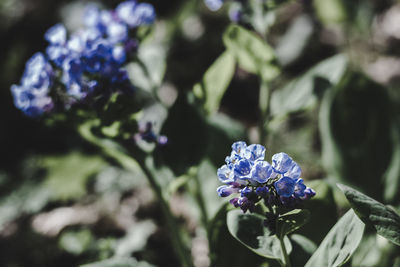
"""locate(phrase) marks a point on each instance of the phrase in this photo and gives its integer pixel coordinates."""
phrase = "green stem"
(176, 236)
(264, 102)
(114, 151)
(201, 202)
(284, 252)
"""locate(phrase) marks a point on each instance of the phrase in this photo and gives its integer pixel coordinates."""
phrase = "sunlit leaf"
(147, 73)
(340, 243)
(251, 52)
(383, 219)
(299, 94)
(331, 11)
(216, 81)
(295, 40)
(67, 175)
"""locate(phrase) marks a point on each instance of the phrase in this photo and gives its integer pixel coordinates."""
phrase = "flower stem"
(116, 152)
(176, 236)
(200, 200)
(286, 262)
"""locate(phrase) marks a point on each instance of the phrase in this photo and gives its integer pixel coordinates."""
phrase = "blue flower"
(308, 193)
(242, 169)
(88, 63)
(117, 32)
(281, 162)
(56, 35)
(255, 152)
(294, 171)
(31, 104)
(246, 192)
(261, 172)
(285, 186)
(262, 191)
(225, 190)
(214, 5)
(299, 189)
(247, 172)
(134, 14)
(91, 17)
(32, 95)
(239, 147)
(235, 13)
(225, 174)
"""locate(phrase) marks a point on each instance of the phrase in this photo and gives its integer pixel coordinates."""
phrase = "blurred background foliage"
(334, 74)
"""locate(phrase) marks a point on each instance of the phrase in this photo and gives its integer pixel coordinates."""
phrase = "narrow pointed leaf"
(383, 219)
(340, 243)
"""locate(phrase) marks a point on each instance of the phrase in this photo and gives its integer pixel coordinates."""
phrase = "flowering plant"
(121, 148)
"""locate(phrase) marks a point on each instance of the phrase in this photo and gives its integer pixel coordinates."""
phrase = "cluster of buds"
(252, 179)
(85, 65)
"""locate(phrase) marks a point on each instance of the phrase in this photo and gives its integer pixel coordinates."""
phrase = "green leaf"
(330, 11)
(75, 242)
(262, 17)
(148, 71)
(249, 229)
(67, 175)
(251, 52)
(135, 238)
(374, 250)
(340, 243)
(303, 248)
(222, 243)
(216, 81)
(183, 150)
(295, 40)
(207, 184)
(324, 211)
(356, 125)
(291, 221)
(222, 132)
(392, 173)
(383, 219)
(299, 94)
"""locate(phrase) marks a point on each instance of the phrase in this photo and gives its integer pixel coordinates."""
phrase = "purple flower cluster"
(246, 173)
(88, 62)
